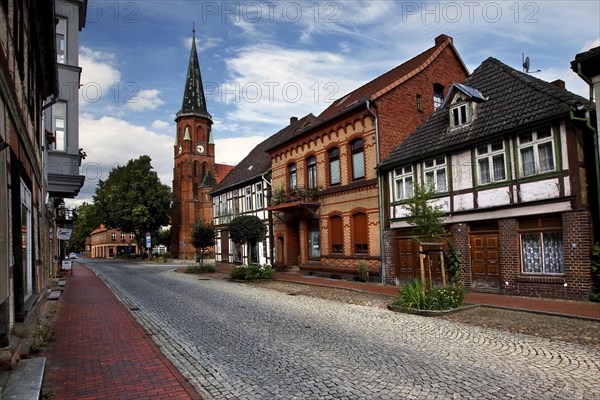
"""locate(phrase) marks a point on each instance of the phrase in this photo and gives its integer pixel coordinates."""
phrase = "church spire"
(194, 102)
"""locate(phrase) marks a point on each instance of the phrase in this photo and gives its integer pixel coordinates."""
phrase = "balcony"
(288, 200)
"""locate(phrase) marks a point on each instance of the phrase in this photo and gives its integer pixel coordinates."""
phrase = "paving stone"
(238, 341)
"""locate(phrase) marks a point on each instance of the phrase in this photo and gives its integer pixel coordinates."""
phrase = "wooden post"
(429, 270)
(421, 258)
(443, 269)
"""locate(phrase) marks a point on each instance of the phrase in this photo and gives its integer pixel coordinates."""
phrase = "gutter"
(588, 124)
(379, 192)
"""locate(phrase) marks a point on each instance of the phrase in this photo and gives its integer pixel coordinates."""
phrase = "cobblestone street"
(233, 340)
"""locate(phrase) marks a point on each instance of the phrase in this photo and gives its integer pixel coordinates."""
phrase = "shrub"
(199, 269)
(595, 295)
(363, 270)
(252, 271)
(437, 298)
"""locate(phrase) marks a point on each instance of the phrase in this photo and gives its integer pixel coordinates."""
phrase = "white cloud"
(233, 150)
(145, 99)
(590, 44)
(161, 125)
(203, 42)
(269, 83)
(98, 75)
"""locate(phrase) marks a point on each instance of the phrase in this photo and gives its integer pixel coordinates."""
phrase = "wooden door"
(225, 246)
(407, 260)
(485, 261)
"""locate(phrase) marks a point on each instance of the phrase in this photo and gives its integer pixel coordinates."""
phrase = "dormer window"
(460, 114)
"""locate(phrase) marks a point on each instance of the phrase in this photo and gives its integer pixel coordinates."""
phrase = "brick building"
(109, 243)
(512, 160)
(195, 172)
(326, 194)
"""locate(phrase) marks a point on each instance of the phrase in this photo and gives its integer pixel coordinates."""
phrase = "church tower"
(194, 162)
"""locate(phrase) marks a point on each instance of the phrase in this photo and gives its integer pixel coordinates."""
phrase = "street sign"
(148, 240)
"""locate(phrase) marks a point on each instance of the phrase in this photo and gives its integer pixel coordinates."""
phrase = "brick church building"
(195, 171)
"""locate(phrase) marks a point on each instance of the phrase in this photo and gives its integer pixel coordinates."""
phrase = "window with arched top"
(311, 172)
(360, 233)
(358, 159)
(292, 177)
(336, 233)
(334, 166)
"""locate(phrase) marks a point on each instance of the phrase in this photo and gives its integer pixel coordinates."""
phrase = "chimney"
(293, 120)
(442, 38)
(559, 83)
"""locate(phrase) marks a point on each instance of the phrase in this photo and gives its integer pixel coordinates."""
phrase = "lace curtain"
(542, 257)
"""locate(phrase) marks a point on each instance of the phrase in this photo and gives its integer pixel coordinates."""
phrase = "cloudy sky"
(263, 62)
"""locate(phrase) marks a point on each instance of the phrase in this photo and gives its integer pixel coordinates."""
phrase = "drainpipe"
(588, 124)
(270, 221)
(379, 192)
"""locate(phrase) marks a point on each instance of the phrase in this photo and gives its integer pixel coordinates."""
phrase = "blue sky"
(263, 62)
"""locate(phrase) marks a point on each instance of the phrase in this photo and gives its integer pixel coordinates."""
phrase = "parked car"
(72, 256)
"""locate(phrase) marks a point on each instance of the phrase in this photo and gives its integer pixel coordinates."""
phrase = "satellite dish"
(526, 65)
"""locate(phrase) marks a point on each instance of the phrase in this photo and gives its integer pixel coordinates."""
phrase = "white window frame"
(432, 167)
(248, 197)
(132, 236)
(61, 39)
(113, 236)
(535, 144)
(487, 157)
(259, 196)
(542, 253)
(59, 125)
(224, 205)
(122, 236)
(403, 179)
(458, 119)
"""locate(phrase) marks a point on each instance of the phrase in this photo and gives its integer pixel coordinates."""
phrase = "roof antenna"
(526, 65)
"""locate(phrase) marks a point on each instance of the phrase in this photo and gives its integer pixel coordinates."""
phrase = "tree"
(203, 236)
(132, 199)
(426, 217)
(86, 220)
(247, 230)
(162, 236)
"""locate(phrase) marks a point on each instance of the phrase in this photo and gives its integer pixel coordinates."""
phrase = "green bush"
(595, 295)
(437, 298)
(252, 271)
(196, 269)
(363, 271)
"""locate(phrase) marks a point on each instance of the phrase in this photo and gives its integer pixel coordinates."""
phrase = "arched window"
(292, 181)
(311, 172)
(360, 232)
(358, 159)
(336, 233)
(334, 166)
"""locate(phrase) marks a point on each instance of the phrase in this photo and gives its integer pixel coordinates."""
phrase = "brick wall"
(389, 256)
(460, 241)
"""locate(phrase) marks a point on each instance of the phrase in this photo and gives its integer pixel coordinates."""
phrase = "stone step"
(25, 382)
(54, 295)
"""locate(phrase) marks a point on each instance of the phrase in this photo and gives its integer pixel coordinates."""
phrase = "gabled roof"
(391, 79)
(514, 100)
(258, 161)
(470, 92)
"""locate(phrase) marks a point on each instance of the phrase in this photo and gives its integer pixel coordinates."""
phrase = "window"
(334, 166)
(292, 182)
(542, 246)
(59, 117)
(490, 163)
(224, 208)
(311, 172)
(460, 114)
(435, 174)
(314, 251)
(358, 159)
(132, 236)
(61, 40)
(236, 202)
(122, 236)
(419, 103)
(403, 183)
(438, 95)
(259, 196)
(359, 222)
(113, 236)
(536, 151)
(248, 198)
(336, 232)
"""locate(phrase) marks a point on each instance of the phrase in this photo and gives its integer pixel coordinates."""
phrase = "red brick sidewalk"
(101, 352)
(551, 306)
